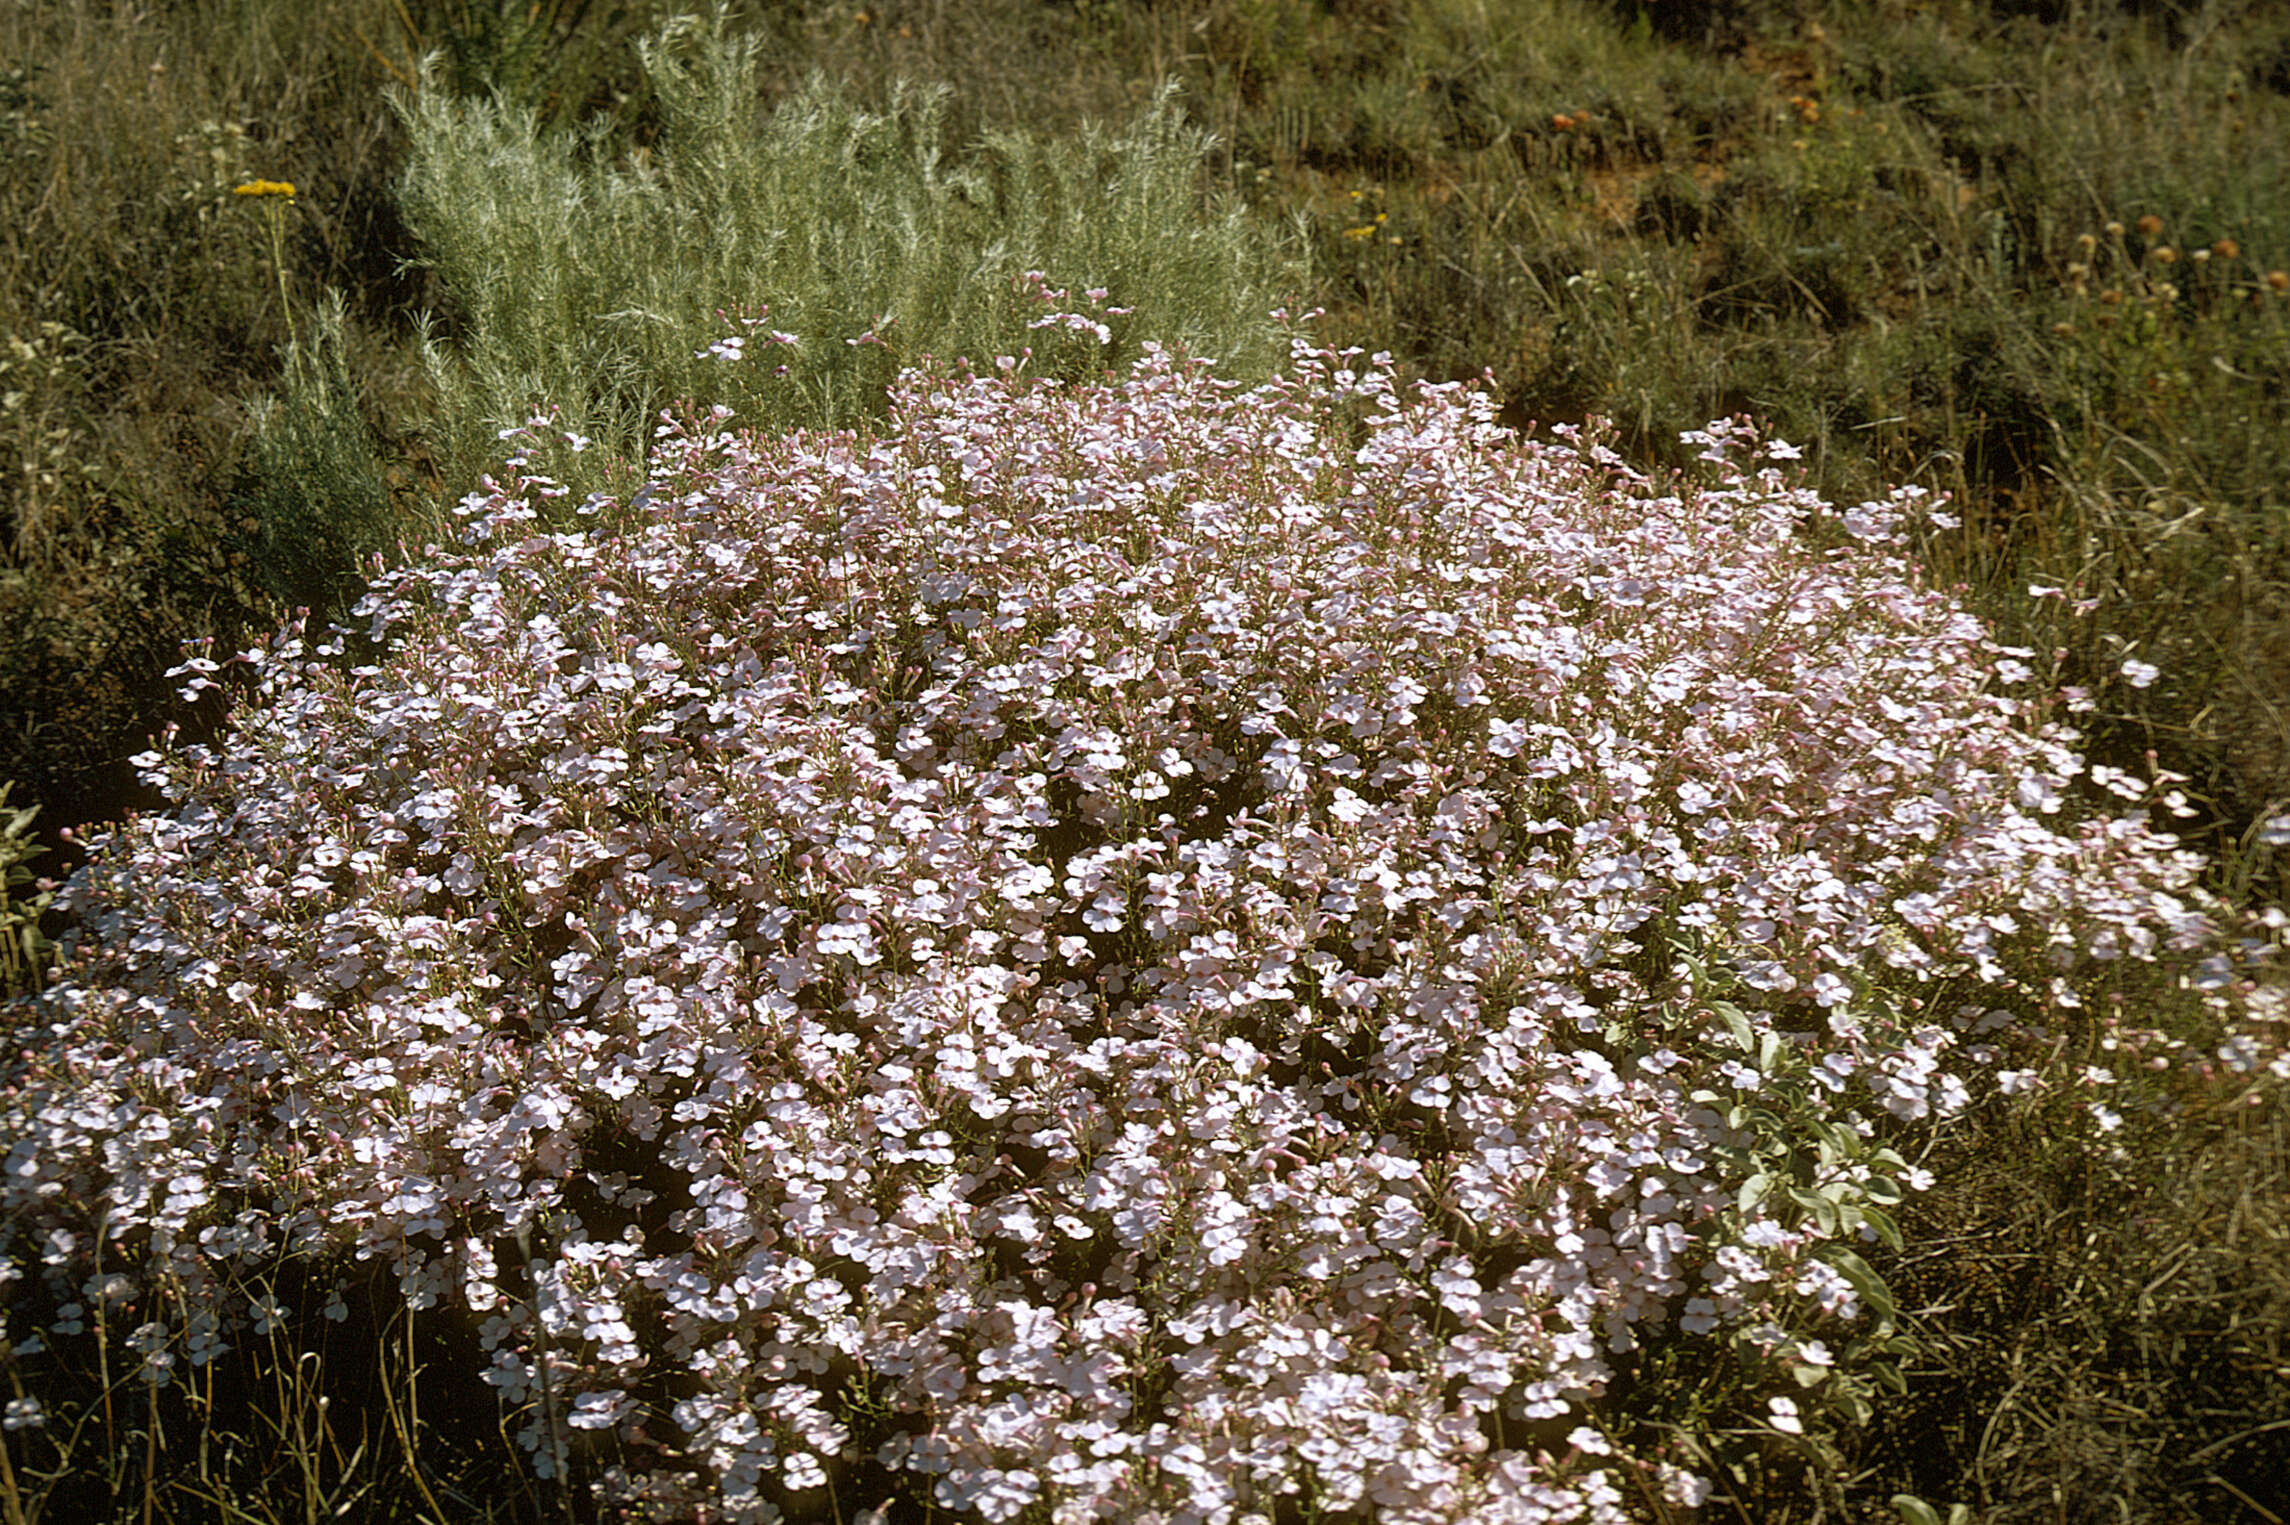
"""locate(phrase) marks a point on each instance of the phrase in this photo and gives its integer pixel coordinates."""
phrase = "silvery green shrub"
(598, 282)
(1113, 952)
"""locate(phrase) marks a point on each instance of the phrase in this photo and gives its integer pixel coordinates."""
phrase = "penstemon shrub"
(1127, 952)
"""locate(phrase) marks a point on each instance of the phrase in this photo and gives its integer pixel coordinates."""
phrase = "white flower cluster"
(1123, 952)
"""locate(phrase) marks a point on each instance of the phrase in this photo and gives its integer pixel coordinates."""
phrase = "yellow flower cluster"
(266, 188)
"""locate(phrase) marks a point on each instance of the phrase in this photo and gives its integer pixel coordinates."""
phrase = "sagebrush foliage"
(591, 279)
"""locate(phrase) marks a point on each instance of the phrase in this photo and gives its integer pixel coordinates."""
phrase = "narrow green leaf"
(1865, 1281)
(1824, 1214)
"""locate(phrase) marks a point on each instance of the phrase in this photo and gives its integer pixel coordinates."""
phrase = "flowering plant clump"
(1113, 953)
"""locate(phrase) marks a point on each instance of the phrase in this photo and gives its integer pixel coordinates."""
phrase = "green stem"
(278, 266)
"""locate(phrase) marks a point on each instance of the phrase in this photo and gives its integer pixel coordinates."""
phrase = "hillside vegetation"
(283, 287)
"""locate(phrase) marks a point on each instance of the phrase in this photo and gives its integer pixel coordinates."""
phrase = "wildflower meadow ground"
(1153, 950)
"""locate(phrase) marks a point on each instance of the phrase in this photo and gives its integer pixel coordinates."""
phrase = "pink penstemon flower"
(1186, 936)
